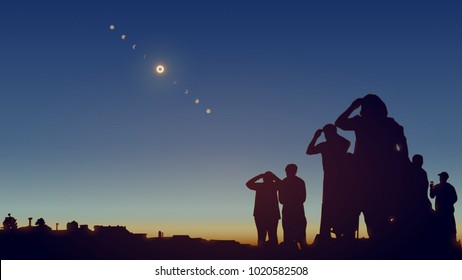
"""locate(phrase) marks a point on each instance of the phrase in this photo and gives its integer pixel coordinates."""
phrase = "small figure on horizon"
(445, 197)
(292, 195)
(266, 207)
(337, 213)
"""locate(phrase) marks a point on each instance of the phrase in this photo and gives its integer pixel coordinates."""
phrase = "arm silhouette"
(344, 121)
(277, 181)
(252, 183)
(275, 178)
(312, 147)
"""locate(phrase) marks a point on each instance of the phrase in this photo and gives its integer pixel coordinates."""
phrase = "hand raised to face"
(357, 103)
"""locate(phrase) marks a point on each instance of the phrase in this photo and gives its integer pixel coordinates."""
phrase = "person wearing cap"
(445, 197)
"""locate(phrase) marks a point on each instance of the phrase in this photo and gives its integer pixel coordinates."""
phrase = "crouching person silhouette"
(266, 208)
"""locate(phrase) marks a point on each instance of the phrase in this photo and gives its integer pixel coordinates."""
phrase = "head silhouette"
(444, 176)
(267, 177)
(373, 107)
(417, 160)
(291, 170)
(330, 131)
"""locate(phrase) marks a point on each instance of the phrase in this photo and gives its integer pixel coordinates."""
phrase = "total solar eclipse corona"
(160, 69)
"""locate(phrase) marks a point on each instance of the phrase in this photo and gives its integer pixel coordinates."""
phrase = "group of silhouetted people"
(291, 193)
(378, 179)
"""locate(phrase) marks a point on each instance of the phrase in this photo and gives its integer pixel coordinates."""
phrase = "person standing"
(337, 215)
(292, 195)
(266, 207)
(445, 197)
(380, 158)
(415, 206)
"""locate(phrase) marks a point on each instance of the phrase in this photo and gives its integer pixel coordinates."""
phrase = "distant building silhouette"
(84, 228)
(72, 226)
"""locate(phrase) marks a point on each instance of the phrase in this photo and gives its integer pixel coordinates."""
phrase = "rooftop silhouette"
(78, 242)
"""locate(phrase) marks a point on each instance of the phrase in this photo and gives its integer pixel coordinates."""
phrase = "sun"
(160, 69)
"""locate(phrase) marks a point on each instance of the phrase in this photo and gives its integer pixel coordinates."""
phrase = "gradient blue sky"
(89, 133)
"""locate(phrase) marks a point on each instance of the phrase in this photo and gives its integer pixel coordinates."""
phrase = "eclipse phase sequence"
(158, 69)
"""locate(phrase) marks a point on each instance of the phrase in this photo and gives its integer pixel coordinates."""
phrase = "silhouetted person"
(414, 204)
(381, 158)
(446, 197)
(292, 195)
(420, 185)
(266, 208)
(336, 214)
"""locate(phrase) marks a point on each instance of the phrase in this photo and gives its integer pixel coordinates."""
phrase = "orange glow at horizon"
(243, 232)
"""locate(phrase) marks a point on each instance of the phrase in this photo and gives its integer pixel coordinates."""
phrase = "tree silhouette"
(41, 225)
(10, 223)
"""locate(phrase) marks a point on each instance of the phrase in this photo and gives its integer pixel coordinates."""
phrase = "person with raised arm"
(381, 161)
(266, 208)
(337, 214)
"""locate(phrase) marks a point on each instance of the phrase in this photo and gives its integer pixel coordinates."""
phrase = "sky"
(90, 133)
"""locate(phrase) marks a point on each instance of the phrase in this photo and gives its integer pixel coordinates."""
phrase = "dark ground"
(88, 245)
